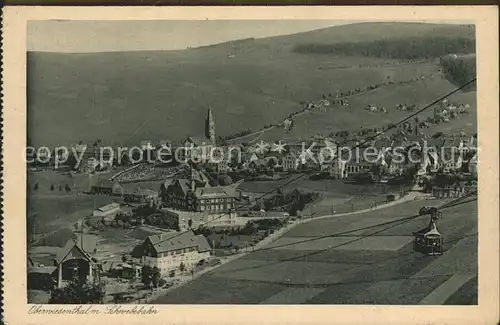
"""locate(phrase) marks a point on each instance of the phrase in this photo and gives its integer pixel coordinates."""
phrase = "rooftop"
(85, 245)
(199, 141)
(215, 192)
(165, 242)
(109, 207)
(42, 269)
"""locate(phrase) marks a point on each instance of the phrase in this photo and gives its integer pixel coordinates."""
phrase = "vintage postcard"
(226, 165)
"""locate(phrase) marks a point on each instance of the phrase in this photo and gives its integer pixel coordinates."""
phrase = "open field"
(340, 270)
(330, 188)
(336, 195)
(59, 212)
(55, 209)
(122, 98)
(264, 81)
(464, 294)
(337, 118)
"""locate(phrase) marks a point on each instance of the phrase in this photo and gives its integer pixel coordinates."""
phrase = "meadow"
(48, 210)
(126, 97)
(355, 117)
(367, 275)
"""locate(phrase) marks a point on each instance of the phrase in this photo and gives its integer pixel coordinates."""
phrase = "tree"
(155, 276)
(437, 135)
(213, 181)
(124, 258)
(78, 293)
(71, 161)
(146, 273)
(376, 169)
(271, 163)
(224, 180)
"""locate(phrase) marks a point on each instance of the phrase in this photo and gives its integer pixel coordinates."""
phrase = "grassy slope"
(158, 95)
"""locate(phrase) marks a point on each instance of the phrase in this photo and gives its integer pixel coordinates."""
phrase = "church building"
(198, 149)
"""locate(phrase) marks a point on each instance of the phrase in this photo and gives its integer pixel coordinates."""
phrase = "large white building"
(168, 251)
(290, 162)
(110, 210)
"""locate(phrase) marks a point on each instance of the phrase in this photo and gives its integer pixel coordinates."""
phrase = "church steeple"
(192, 178)
(210, 127)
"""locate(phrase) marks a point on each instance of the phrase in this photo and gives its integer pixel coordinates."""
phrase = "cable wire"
(302, 175)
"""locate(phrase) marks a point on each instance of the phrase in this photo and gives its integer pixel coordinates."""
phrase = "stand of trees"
(460, 70)
(155, 217)
(78, 293)
(292, 202)
(235, 135)
(408, 48)
(150, 276)
(250, 228)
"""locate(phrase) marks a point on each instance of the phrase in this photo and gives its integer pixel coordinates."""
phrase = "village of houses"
(159, 226)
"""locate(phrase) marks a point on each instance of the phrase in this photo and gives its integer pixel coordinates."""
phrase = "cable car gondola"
(429, 240)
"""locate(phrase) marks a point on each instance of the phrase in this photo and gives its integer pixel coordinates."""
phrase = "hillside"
(459, 69)
(404, 48)
(126, 97)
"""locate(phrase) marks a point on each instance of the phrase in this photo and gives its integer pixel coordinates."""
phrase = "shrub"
(78, 293)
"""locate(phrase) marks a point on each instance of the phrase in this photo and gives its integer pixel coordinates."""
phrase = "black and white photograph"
(248, 162)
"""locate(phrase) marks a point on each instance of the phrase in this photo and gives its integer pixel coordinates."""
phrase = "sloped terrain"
(126, 97)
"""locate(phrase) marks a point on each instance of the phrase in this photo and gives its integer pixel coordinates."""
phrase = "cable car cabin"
(429, 240)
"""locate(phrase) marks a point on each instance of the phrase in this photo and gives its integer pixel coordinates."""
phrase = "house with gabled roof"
(451, 160)
(196, 194)
(74, 261)
(167, 251)
(197, 149)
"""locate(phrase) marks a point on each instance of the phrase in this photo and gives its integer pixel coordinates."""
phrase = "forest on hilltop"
(407, 48)
(460, 69)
